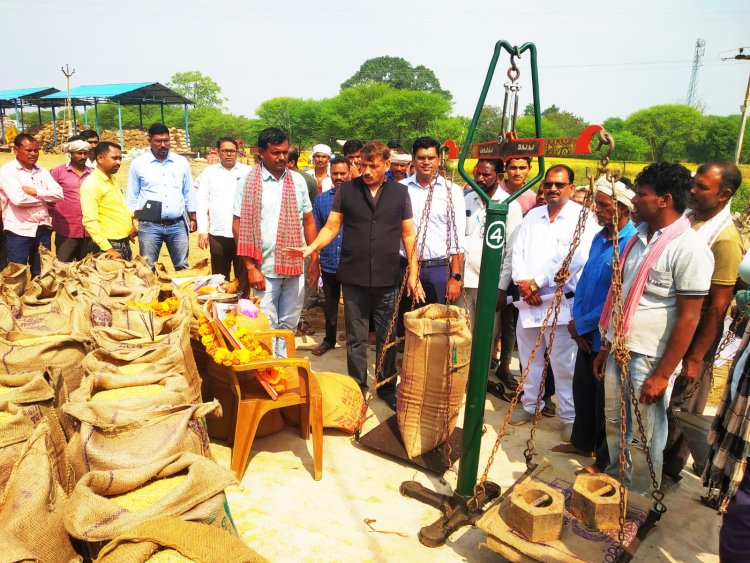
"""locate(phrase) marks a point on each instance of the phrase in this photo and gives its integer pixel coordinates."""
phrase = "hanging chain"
(553, 311)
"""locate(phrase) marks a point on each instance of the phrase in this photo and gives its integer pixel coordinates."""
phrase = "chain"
(553, 311)
(420, 241)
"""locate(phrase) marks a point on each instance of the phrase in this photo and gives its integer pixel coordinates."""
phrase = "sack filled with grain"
(174, 540)
(15, 429)
(13, 280)
(105, 394)
(433, 376)
(43, 310)
(105, 504)
(172, 345)
(19, 351)
(112, 278)
(32, 504)
(110, 438)
(342, 400)
(25, 387)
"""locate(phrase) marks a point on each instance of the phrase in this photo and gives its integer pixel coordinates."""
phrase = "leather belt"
(432, 263)
(165, 221)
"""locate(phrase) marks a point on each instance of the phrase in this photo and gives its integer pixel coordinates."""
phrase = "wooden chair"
(254, 402)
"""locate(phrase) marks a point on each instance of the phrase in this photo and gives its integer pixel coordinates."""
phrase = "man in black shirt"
(376, 215)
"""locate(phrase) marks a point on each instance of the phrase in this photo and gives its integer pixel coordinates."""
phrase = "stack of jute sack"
(101, 421)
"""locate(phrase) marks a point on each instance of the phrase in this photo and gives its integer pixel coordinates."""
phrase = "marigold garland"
(253, 351)
(160, 308)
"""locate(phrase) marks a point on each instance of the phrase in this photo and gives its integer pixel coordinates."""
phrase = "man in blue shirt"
(588, 435)
(163, 176)
(329, 256)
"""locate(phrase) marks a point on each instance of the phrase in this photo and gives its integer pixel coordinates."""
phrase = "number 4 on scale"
(495, 234)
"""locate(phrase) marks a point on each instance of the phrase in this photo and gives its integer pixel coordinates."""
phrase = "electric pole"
(68, 103)
(700, 49)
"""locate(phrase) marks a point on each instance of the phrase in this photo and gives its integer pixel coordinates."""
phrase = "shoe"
(389, 399)
(550, 409)
(521, 416)
(567, 431)
(507, 379)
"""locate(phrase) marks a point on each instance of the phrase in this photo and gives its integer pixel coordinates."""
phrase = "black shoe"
(507, 379)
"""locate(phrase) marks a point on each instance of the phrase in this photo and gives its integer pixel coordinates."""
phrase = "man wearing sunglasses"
(541, 246)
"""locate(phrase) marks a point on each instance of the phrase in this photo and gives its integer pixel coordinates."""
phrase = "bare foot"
(571, 449)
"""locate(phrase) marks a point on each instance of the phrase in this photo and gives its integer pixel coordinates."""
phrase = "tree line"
(389, 99)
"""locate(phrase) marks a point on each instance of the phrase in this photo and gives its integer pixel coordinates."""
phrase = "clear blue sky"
(597, 58)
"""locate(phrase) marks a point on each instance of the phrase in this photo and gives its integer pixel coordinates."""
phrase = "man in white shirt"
(487, 175)
(440, 272)
(216, 186)
(541, 246)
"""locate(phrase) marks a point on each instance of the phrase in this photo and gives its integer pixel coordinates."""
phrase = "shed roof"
(127, 94)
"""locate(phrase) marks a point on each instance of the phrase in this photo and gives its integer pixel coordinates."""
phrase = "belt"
(165, 221)
(432, 263)
(570, 294)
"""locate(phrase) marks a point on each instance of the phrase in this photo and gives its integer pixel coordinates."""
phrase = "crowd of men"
(362, 221)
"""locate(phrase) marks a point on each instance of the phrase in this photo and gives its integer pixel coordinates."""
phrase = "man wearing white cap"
(588, 392)
(72, 242)
(321, 157)
(400, 161)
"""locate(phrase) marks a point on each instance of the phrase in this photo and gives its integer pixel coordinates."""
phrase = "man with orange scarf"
(272, 211)
(666, 274)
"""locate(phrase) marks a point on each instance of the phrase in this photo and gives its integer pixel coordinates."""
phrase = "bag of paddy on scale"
(434, 373)
(32, 503)
(106, 504)
(108, 437)
(15, 429)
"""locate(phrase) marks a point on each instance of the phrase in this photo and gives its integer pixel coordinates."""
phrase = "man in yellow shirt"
(107, 219)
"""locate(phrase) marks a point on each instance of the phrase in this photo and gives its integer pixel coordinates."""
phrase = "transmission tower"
(700, 49)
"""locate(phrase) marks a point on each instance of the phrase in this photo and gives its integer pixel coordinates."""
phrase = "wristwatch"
(456, 276)
(533, 286)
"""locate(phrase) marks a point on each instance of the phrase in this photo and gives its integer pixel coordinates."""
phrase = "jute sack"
(42, 311)
(112, 278)
(13, 279)
(196, 542)
(15, 429)
(12, 550)
(20, 352)
(135, 437)
(126, 345)
(134, 389)
(342, 400)
(31, 507)
(433, 376)
(92, 515)
(162, 360)
(577, 543)
(25, 387)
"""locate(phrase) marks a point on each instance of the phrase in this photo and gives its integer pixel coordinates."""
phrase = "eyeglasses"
(228, 151)
(558, 185)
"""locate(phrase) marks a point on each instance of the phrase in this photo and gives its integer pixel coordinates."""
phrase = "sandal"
(498, 390)
(322, 348)
(305, 328)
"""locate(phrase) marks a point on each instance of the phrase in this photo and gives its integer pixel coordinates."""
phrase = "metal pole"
(96, 115)
(2, 125)
(119, 121)
(86, 116)
(162, 113)
(54, 126)
(73, 131)
(140, 114)
(15, 110)
(743, 121)
(187, 134)
(489, 274)
(23, 125)
(39, 114)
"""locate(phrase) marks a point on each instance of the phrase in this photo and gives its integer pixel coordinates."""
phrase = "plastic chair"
(254, 402)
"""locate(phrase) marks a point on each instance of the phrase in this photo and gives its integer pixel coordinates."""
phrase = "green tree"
(208, 124)
(716, 139)
(399, 74)
(198, 87)
(668, 129)
(614, 124)
(570, 124)
(629, 146)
